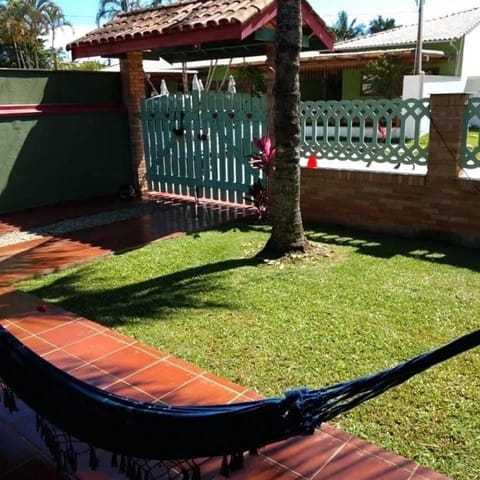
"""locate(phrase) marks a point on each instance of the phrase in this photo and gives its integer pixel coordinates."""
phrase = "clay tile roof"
(177, 17)
(446, 28)
(193, 24)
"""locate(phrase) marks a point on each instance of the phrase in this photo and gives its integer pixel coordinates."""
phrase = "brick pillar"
(133, 86)
(446, 135)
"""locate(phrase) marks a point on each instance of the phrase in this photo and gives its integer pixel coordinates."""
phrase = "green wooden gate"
(199, 144)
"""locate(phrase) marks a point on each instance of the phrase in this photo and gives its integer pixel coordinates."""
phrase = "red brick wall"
(133, 84)
(438, 204)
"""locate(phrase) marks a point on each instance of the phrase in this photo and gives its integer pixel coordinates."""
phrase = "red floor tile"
(64, 360)
(50, 256)
(94, 347)
(151, 351)
(365, 466)
(193, 369)
(226, 383)
(159, 379)
(422, 473)
(259, 468)
(39, 346)
(19, 332)
(94, 376)
(16, 305)
(304, 455)
(31, 218)
(199, 391)
(38, 323)
(64, 335)
(126, 390)
(125, 361)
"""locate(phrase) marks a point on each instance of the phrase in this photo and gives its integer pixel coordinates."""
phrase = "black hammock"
(144, 430)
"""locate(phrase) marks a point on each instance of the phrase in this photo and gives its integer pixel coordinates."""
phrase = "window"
(366, 88)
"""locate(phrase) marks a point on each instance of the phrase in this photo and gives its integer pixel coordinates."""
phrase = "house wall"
(440, 204)
(352, 77)
(432, 84)
(453, 50)
(63, 136)
(470, 61)
(351, 84)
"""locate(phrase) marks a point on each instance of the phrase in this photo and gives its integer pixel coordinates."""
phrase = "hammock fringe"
(126, 427)
(66, 450)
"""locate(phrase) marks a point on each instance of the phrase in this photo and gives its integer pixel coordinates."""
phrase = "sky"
(81, 13)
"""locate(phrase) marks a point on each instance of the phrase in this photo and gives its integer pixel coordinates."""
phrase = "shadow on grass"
(388, 246)
(379, 245)
(150, 299)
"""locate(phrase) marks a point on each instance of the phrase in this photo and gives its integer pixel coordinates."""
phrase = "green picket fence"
(199, 144)
(470, 156)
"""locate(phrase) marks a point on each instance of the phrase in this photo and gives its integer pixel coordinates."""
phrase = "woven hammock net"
(149, 441)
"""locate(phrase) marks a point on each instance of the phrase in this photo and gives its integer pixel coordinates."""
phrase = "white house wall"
(436, 84)
(470, 61)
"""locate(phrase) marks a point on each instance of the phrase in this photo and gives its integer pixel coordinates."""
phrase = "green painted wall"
(47, 159)
(351, 82)
(34, 87)
(453, 50)
(352, 78)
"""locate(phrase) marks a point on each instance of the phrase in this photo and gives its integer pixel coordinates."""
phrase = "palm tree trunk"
(54, 52)
(287, 227)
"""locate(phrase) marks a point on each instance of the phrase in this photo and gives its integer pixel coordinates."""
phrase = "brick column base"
(133, 86)
(446, 130)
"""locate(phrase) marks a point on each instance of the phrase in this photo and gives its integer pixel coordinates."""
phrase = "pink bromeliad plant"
(265, 157)
(263, 160)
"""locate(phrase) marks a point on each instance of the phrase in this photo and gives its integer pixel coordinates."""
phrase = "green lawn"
(366, 304)
(472, 138)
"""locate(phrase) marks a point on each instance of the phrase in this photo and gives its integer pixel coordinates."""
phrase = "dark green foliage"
(250, 80)
(23, 23)
(108, 9)
(380, 24)
(344, 29)
(385, 76)
(263, 160)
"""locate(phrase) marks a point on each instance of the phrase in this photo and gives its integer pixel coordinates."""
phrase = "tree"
(380, 24)
(385, 76)
(108, 9)
(56, 20)
(250, 79)
(37, 26)
(344, 29)
(88, 65)
(287, 227)
(13, 32)
(22, 23)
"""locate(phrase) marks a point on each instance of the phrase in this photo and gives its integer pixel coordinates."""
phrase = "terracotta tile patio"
(119, 364)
